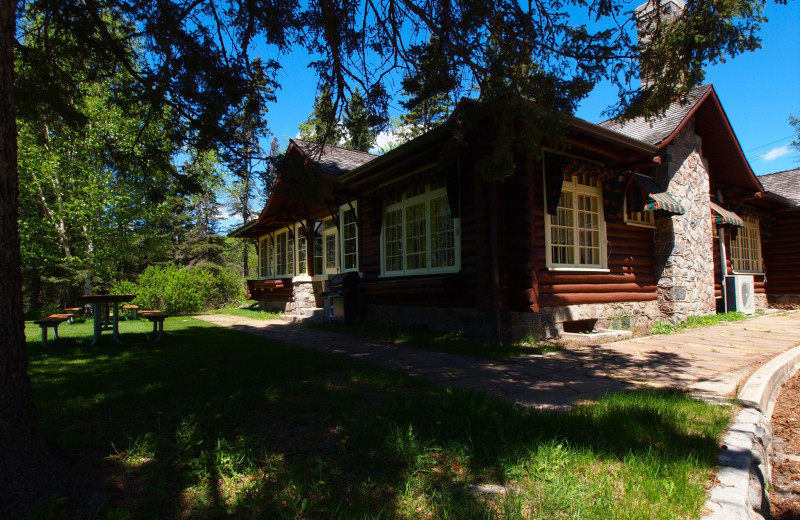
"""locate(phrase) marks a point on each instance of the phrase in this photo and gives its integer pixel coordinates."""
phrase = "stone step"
(300, 315)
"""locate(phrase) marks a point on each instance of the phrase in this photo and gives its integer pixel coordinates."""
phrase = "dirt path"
(785, 493)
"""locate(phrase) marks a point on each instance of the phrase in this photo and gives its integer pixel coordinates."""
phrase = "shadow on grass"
(212, 422)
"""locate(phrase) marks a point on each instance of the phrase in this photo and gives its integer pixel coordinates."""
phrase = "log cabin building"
(782, 249)
(616, 225)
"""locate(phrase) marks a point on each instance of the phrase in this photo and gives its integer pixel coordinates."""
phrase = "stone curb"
(744, 469)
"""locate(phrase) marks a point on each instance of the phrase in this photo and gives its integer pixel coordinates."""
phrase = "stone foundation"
(783, 300)
(549, 323)
(761, 301)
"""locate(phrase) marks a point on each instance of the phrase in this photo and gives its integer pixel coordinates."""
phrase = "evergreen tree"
(322, 125)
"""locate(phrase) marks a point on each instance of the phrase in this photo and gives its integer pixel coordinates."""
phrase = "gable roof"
(333, 160)
(785, 183)
(659, 131)
(726, 161)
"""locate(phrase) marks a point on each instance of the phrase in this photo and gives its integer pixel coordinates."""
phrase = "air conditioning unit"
(740, 292)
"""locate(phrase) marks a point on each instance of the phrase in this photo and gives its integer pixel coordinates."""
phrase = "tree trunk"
(29, 470)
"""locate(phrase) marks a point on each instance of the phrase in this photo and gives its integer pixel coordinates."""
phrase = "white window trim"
(638, 223)
(753, 224)
(426, 197)
(271, 251)
(576, 189)
(333, 230)
(342, 209)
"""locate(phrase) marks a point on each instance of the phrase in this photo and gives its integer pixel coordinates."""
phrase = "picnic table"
(104, 319)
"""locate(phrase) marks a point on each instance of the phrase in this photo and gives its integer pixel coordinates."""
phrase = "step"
(314, 314)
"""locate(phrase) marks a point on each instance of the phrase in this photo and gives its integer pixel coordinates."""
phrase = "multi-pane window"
(330, 238)
(349, 238)
(302, 264)
(267, 257)
(644, 218)
(419, 233)
(575, 234)
(284, 254)
(746, 247)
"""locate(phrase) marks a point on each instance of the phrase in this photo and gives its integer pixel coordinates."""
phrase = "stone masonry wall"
(549, 322)
(684, 251)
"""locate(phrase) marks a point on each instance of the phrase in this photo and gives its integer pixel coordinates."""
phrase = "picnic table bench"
(72, 311)
(51, 322)
(157, 319)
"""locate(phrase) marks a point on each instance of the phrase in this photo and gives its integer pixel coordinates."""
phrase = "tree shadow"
(218, 423)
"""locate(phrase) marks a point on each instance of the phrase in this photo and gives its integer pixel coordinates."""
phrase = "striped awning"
(725, 217)
(652, 197)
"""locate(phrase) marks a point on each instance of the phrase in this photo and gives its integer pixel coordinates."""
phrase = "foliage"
(211, 422)
(361, 127)
(795, 122)
(187, 290)
(322, 125)
(693, 322)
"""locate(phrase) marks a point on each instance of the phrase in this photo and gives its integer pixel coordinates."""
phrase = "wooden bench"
(51, 322)
(132, 310)
(157, 319)
(72, 311)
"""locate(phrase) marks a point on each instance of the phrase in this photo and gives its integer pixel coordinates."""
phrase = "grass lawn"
(212, 423)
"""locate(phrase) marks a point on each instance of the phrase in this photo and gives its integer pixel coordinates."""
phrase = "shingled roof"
(657, 130)
(333, 160)
(785, 183)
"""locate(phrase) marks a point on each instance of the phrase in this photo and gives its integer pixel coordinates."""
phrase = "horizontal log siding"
(527, 284)
(445, 290)
(631, 278)
(781, 252)
(759, 286)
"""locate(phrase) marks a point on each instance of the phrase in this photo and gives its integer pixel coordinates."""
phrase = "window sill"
(580, 269)
(754, 273)
(419, 273)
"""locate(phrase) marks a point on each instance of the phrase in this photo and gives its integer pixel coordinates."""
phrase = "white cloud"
(777, 152)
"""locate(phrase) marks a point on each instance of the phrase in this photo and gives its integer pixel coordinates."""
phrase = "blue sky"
(758, 92)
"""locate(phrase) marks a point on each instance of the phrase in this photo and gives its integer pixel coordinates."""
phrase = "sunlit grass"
(694, 322)
(255, 314)
(211, 422)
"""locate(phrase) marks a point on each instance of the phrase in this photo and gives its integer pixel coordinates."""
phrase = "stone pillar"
(684, 249)
(306, 294)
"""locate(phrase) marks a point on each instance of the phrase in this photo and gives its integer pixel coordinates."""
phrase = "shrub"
(182, 290)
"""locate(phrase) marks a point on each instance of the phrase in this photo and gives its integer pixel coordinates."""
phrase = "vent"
(740, 291)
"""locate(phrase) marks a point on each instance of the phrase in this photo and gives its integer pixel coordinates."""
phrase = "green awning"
(725, 217)
(651, 197)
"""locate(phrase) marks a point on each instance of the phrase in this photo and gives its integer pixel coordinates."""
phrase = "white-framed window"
(266, 257)
(419, 234)
(575, 235)
(746, 247)
(349, 230)
(644, 218)
(302, 249)
(330, 242)
(284, 254)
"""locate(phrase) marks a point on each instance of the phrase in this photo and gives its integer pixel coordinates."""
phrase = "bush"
(182, 290)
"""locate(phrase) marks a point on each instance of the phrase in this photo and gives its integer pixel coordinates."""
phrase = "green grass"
(451, 342)
(694, 322)
(255, 314)
(211, 422)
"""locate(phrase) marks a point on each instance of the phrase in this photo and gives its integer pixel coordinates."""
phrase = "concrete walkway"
(711, 362)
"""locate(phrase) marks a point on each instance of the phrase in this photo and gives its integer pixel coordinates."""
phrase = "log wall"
(781, 254)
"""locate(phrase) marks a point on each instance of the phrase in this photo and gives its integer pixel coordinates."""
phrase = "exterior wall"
(684, 248)
(549, 323)
(780, 253)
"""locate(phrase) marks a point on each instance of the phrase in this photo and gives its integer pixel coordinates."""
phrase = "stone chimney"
(650, 16)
